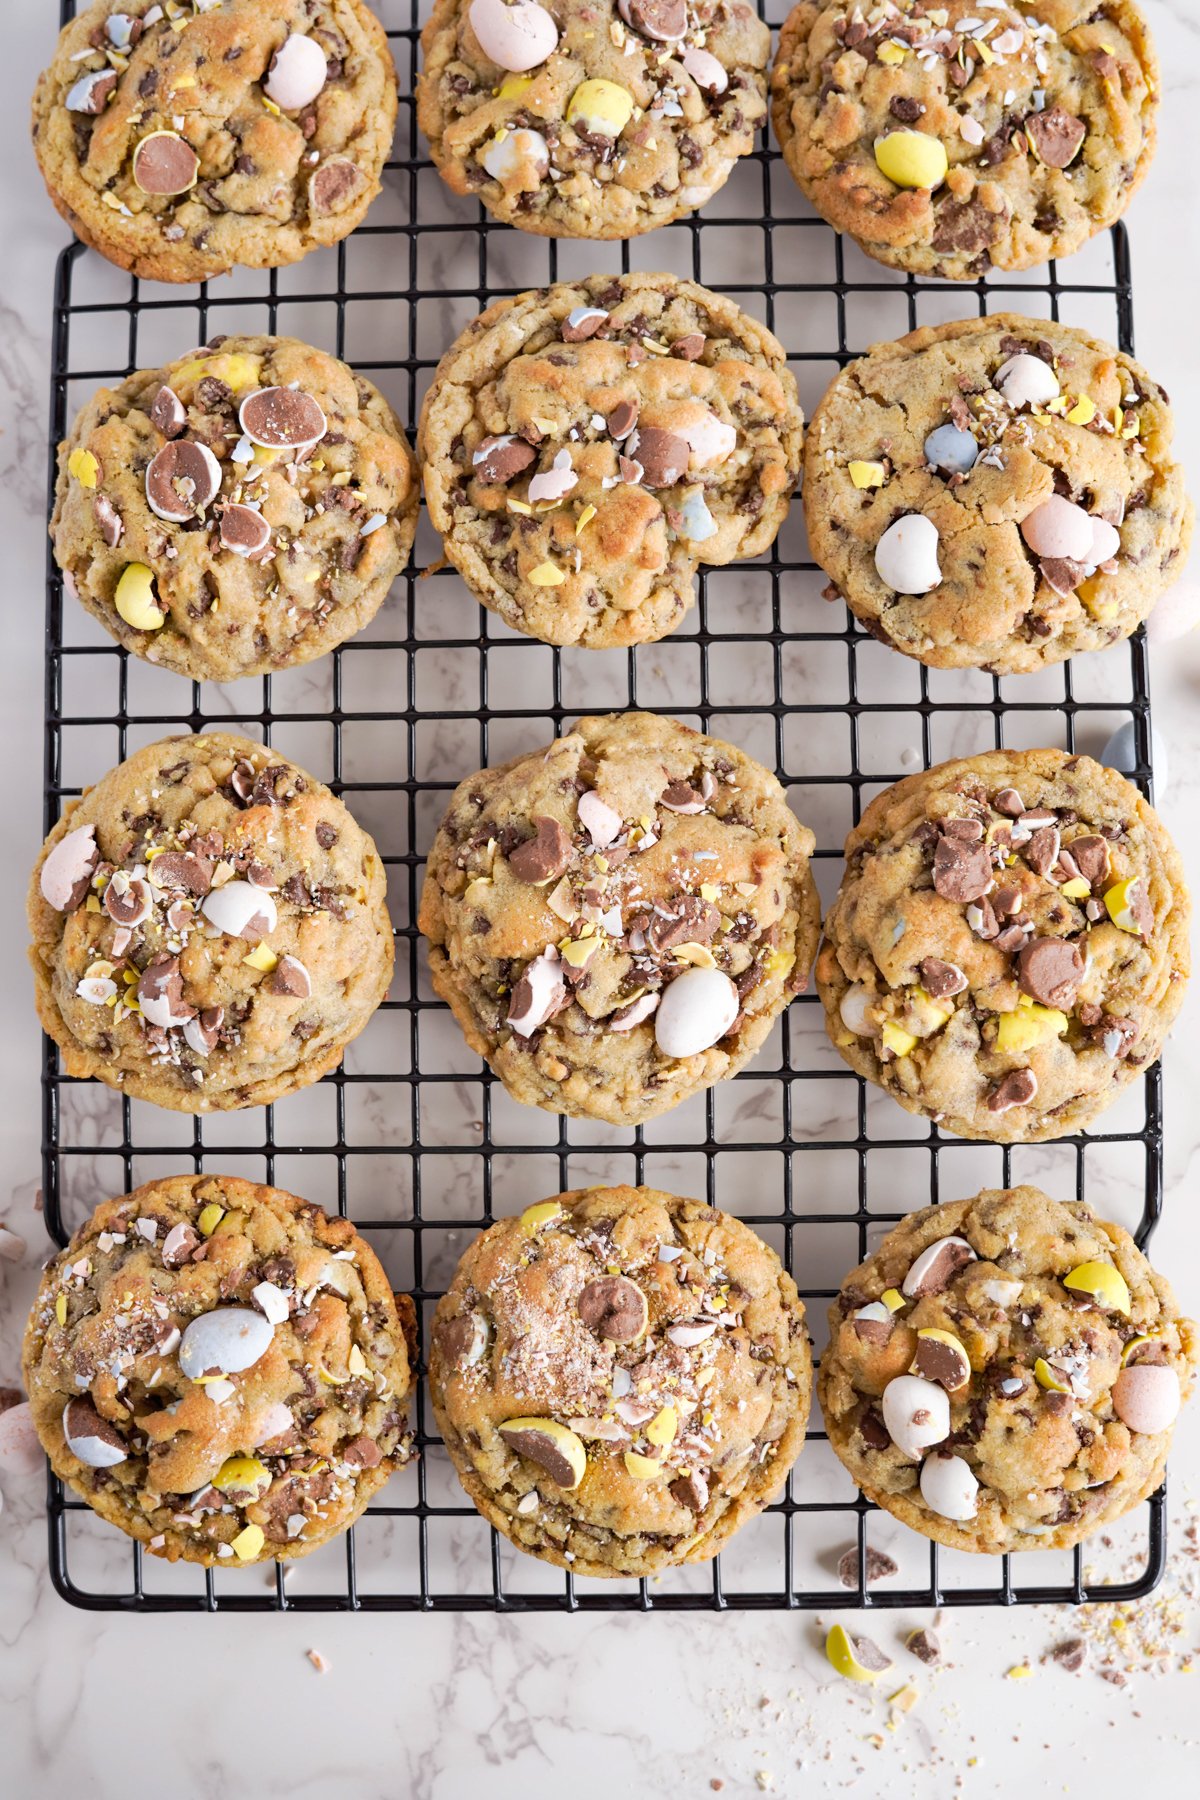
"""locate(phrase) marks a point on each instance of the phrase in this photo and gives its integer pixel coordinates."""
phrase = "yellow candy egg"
(1050, 1378)
(242, 1475)
(912, 159)
(135, 599)
(867, 474)
(534, 1217)
(84, 467)
(600, 106)
(900, 1043)
(247, 1544)
(858, 1659)
(1120, 900)
(1100, 1281)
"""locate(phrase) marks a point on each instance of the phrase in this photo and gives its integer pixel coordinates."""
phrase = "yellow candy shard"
(663, 1427)
(890, 52)
(248, 1542)
(514, 87)
(893, 1299)
(642, 1468)
(134, 598)
(900, 1043)
(261, 957)
(912, 159)
(846, 1655)
(534, 1217)
(357, 1362)
(546, 575)
(698, 956)
(1119, 900)
(1019, 1672)
(84, 467)
(1129, 1354)
(210, 1217)
(1102, 1282)
(585, 518)
(867, 474)
(600, 106)
(242, 1474)
(1076, 889)
(577, 951)
(1029, 1026)
(925, 1013)
(60, 1309)
(1083, 411)
(709, 892)
(1049, 1377)
(779, 962)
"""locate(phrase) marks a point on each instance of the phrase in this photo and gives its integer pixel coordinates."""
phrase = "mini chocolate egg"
(515, 38)
(948, 1486)
(951, 450)
(906, 556)
(697, 1010)
(224, 1342)
(1058, 528)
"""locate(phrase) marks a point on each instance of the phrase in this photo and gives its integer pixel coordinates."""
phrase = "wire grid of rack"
(412, 1138)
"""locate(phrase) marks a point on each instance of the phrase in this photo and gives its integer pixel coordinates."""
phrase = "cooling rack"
(412, 1138)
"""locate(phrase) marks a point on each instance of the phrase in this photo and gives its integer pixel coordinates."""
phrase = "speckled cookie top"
(996, 493)
(1009, 945)
(1004, 1372)
(588, 118)
(622, 1378)
(219, 1369)
(948, 139)
(617, 919)
(586, 447)
(184, 137)
(241, 510)
(209, 926)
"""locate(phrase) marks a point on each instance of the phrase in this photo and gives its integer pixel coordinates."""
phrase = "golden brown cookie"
(209, 927)
(999, 493)
(586, 447)
(952, 139)
(593, 118)
(220, 1370)
(182, 141)
(622, 1379)
(241, 510)
(1009, 945)
(1004, 1373)
(617, 920)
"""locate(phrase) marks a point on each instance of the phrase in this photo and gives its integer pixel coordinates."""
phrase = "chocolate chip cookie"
(622, 1379)
(595, 119)
(586, 447)
(999, 493)
(240, 511)
(183, 140)
(220, 1370)
(209, 927)
(1005, 1372)
(616, 920)
(1009, 945)
(952, 139)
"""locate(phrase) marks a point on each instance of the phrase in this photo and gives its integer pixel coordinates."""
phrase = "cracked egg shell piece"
(226, 810)
(1060, 124)
(1103, 439)
(726, 887)
(290, 1455)
(689, 1431)
(1053, 1467)
(961, 1048)
(263, 185)
(716, 390)
(321, 577)
(667, 135)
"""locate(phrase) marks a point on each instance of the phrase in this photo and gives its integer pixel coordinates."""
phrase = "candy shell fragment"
(1102, 1282)
(554, 1447)
(134, 599)
(857, 1658)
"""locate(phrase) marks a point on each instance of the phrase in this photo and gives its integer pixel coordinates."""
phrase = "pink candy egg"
(1146, 1397)
(1059, 528)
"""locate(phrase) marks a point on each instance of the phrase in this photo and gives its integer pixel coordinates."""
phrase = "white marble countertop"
(427, 1706)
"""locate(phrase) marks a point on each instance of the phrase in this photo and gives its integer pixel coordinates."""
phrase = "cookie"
(182, 141)
(622, 1379)
(240, 511)
(586, 447)
(1004, 1373)
(220, 1370)
(997, 494)
(1009, 945)
(595, 119)
(617, 920)
(953, 139)
(209, 927)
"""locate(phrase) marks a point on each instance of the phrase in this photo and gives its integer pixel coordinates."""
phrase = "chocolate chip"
(663, 456)
(878, 1567)
(941, 979)
(622, 419)
(905, 108)
(961, 871)
(873, 1430)
(168, 413)
(1017, 1088)
(498, 459)
(1049, 970)
(614, 1308)
(964, 224)
(1056, 135)
(544, 857)
(689, 348)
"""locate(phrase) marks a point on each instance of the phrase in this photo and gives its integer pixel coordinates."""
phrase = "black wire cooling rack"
(412, 1138)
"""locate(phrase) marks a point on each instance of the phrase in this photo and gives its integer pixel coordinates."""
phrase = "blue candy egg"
(952, 451)
(1120, 753)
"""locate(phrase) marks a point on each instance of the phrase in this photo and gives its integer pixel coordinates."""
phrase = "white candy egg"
(1059, 528)
(906, 556)
(708, 438)
(1026, 381)
(1146, 1397)
(853, 1010)
(948, 1486)
(1120, 752)
(515, 38)
(1106, 541)
(225, 1341)
(707, 73)
(504, 156)
(232, 907)
(297, 74)
(90, 1437)
(697, 1010)
(695, 520)
(916, 1413)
